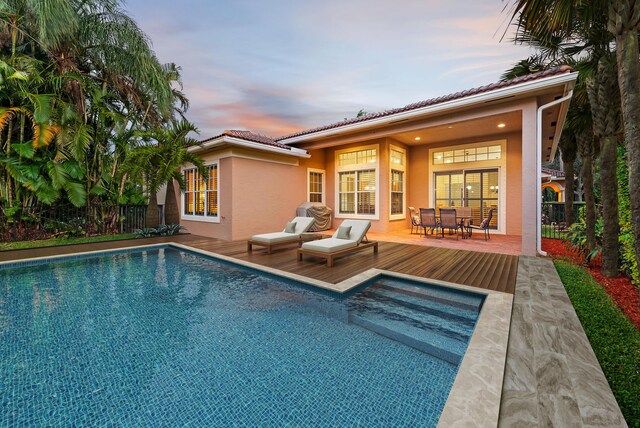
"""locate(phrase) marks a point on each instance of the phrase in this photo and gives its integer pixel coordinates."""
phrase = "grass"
(614, 339)
(53, 242)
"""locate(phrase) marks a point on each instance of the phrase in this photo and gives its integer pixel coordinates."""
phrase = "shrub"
(576, 237)
(162, 230)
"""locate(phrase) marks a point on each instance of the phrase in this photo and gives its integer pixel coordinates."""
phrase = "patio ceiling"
(481, 127)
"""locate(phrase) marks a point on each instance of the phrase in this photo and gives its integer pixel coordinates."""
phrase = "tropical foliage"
(82, 94)
(599, 38)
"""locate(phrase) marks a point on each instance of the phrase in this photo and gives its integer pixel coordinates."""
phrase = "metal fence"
(40, 222)
(554, 225)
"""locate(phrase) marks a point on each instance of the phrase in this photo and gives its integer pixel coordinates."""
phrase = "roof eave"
(225, 139)
(518, 89)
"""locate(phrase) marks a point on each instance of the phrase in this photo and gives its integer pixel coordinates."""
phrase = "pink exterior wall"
(256, 195)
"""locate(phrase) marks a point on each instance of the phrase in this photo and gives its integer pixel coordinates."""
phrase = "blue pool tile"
(168, 338)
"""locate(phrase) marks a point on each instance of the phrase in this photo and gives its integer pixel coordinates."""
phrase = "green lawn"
(52, 242)
(615, 340)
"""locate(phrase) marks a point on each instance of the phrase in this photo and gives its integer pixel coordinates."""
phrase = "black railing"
(554, 224)
(40, 222)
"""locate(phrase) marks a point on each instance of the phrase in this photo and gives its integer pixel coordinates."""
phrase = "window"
(200, 196)
(473, 154)
(397, 192)
(315, 185)
(397, 186)
(356, 181)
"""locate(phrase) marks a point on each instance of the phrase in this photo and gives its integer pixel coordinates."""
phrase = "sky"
(279, 66)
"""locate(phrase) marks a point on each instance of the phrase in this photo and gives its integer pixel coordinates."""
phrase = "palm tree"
(605, 110)
(159, 162)
(624, 24)
(569, 29)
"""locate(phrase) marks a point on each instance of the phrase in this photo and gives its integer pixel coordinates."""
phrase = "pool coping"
(474, 398)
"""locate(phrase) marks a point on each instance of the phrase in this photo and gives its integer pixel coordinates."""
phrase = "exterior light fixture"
(417, 138)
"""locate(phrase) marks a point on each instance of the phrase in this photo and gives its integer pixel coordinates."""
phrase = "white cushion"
(275, 237)
(359, 229)
(330, 245)
(303, 224)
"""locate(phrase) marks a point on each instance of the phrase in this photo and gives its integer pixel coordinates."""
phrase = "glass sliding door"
(449, 191)
(475, 189)
(481, 194)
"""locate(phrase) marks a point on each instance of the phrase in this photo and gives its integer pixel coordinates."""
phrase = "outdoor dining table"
(461, 219)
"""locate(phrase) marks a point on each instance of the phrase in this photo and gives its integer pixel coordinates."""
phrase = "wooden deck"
(483, 270)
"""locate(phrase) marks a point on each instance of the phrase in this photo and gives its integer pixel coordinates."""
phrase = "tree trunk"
(171, 211)
(585, 147)
(602, 89)
(152, 219)
(569, 188)
(629, 81)
(609, 195)
(590, 202)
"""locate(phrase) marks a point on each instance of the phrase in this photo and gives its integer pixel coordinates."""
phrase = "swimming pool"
(165, 337)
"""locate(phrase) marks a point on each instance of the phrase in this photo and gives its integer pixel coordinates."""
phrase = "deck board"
(477, 269)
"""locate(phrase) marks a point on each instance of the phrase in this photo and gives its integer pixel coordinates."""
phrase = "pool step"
(419, 339)
(438, 323)
(458, 299)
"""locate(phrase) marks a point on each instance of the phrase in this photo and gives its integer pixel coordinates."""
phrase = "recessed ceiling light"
(450, 126)
(501, 125)
(417, 138)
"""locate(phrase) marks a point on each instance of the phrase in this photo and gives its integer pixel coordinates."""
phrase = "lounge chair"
(349, 238)
(484, 226)
(428, 220)
(292, 233)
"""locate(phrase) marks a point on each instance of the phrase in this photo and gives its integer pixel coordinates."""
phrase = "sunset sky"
(278, 66)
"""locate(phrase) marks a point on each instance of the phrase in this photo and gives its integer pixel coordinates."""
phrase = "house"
(554, 180)
(482, 148)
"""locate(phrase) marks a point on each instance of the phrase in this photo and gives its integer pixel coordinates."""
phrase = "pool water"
(164, 337)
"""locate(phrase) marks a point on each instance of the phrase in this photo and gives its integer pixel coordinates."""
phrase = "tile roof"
(553, 172)
(433, 101)
(250, 136)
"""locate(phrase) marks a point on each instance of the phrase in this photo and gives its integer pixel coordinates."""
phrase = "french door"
(477, 189)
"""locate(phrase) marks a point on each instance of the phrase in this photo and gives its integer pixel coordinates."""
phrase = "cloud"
(278, 66)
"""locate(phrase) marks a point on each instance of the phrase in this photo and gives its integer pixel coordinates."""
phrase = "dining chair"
(428, 220)
(415, 219)
(449, 220)
(484, 226)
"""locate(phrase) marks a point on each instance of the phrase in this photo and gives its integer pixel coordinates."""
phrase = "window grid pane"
(467, 155)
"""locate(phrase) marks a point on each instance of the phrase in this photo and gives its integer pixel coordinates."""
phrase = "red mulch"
(622, 291)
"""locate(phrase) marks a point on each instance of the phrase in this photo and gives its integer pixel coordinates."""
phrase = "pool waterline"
(477, 387)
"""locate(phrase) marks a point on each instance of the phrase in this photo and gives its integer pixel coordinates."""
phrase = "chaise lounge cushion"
(330, 245)
(275, 237)
(343, 232)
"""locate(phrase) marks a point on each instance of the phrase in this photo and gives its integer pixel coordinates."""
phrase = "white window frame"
(355, 168)
(324, 186)
(401, 168)
(500, 164)
(202, 218)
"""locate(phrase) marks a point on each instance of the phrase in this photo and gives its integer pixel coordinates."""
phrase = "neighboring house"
(481, 147)
(554, 180)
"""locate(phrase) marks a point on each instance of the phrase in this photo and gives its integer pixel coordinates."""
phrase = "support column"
(529, 180)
